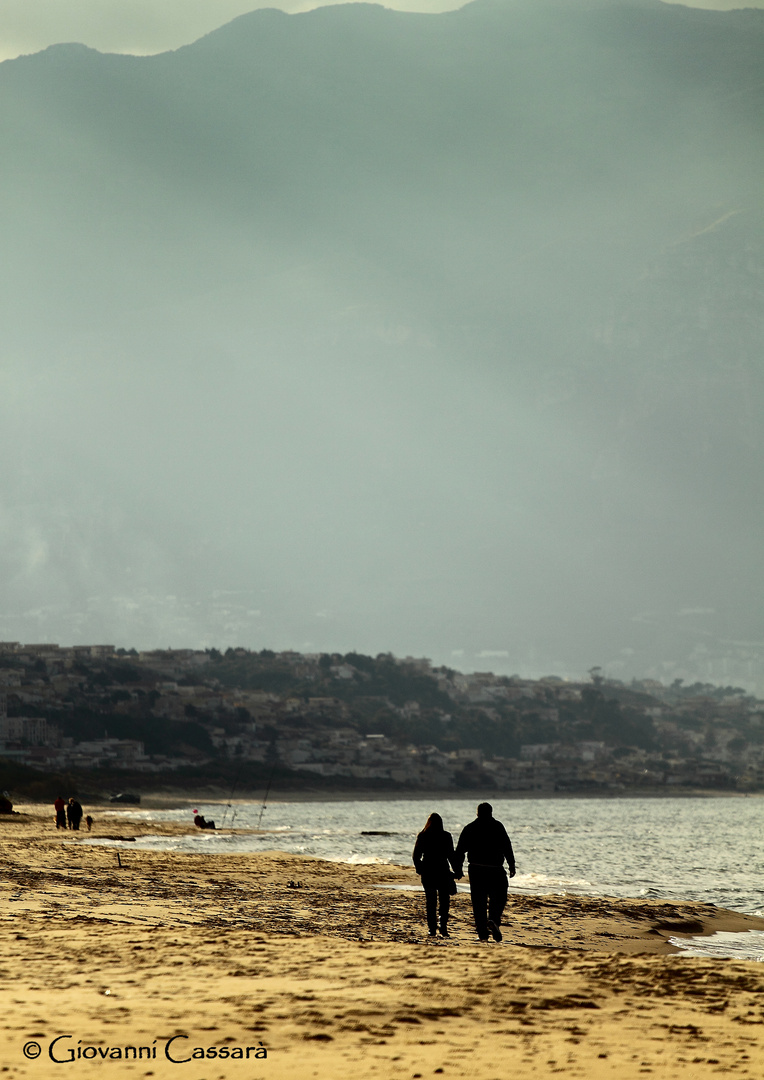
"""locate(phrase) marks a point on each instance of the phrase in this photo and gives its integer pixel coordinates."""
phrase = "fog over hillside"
(358, 329)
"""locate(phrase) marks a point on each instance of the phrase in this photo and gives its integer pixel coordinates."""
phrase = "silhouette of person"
(201, 822)
(60, 807)
(74, 814)
(487, 845)
(433, 860)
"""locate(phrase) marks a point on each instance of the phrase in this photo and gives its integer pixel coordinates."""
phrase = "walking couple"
(486, 844)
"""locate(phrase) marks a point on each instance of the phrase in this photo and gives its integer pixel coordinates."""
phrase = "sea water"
(701, 849)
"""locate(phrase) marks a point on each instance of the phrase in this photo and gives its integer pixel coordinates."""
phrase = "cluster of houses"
(320, 735)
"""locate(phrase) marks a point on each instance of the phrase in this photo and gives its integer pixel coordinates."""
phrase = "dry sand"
(315, 965)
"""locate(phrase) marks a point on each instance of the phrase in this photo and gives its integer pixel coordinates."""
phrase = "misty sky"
(360, 330)
(148, 26)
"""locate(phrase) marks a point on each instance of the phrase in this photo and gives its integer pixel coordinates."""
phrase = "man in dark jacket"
(486, 844)
(74, 814)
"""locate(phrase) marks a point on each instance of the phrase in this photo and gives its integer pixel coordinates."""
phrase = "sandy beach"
(232, 966)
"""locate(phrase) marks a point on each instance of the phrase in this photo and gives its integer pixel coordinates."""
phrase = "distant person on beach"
(60, 807)
(486, 844)
(201, 822)
(74, 814)
(433, 861)
(6, 806)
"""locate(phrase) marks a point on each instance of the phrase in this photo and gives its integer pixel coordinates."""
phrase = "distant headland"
(100, 719)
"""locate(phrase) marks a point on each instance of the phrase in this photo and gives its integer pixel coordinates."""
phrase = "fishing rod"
(233, 788)
(265, 797)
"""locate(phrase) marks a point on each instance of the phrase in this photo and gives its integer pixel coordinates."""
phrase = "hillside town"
(352, 721)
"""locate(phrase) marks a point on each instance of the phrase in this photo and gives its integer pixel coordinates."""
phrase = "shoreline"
(329, 973)
(185, 799)
(30, 839)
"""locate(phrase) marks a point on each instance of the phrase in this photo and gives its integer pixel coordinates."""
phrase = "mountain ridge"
(426, 283)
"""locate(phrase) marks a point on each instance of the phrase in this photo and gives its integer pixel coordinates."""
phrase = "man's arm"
(461, 851)
(509, 854)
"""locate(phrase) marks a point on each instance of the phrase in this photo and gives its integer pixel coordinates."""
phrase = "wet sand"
(330, 974)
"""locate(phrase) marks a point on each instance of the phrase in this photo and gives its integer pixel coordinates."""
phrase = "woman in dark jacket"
(433, 861)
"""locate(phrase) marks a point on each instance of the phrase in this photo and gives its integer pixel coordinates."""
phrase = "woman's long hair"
(434, 824)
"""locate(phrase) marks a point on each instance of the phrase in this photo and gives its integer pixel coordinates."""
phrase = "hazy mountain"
(367, 330)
